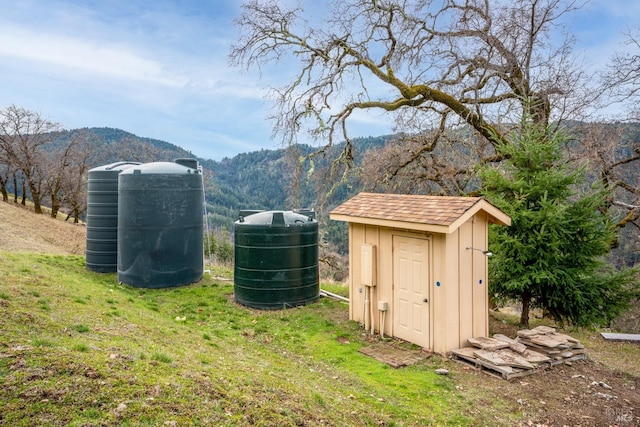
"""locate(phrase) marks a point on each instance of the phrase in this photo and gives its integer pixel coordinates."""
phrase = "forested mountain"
(109, 145)
(256, 180)
(276, 179)
(281, 179)
(265, 179)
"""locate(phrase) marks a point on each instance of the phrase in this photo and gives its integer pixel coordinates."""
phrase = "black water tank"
(160, 225)
(276, 260)
(102, 217)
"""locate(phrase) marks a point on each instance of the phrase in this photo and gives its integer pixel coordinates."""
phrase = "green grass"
(80, 328)
(79, 349)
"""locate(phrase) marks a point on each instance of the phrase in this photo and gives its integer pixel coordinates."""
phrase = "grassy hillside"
(79, 349)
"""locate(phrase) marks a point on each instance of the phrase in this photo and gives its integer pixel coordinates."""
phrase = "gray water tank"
(276, 260)
(160, 225)
(102, 217)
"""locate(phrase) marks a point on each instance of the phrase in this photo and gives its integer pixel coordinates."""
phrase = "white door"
(411, 289)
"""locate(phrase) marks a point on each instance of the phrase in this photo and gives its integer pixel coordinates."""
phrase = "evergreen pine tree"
(551, 256)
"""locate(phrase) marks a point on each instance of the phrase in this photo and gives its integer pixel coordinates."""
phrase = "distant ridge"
(263, 179)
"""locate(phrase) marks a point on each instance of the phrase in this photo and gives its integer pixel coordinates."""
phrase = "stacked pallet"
(533, 349)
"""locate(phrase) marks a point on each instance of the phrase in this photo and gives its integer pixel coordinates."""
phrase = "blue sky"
(158, 68)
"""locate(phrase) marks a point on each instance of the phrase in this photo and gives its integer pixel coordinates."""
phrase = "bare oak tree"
(22, 136)
(74, 180)
(427, 64)
(614, 148)
(63, 167)
(622, 77)
(612, 151)
(5, 176)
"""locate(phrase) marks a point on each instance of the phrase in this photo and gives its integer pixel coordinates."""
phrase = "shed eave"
(496, 216)
(418, 226)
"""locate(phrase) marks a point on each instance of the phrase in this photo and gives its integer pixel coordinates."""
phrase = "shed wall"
(359, 234)
(481, 279)
(382, 237)
(458, 298)
(466, 299)
(465, 285)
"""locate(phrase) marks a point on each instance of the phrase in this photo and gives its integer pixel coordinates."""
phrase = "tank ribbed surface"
(276, 260)
(160, 225)
(102, 217)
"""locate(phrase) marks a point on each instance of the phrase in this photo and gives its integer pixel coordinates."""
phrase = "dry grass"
(23, 231)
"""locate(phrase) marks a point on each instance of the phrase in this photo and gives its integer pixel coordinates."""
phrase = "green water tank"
(102, 217)
(276, 260)
(160, 225)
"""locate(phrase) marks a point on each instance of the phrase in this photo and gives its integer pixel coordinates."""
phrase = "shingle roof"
(418, 209)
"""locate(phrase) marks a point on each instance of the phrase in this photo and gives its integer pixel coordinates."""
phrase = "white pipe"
(332, 295)
(364, 305)
(366, 308)
(371, 310)
(384, 315)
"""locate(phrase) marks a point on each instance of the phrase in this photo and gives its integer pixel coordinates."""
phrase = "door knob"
(425, 300)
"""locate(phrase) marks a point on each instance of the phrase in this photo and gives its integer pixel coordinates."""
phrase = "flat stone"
(491, 357)
(486, 343)
(620, 337)
(513, 344)
(544, 330)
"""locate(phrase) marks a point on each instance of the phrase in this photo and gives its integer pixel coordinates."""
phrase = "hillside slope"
(77, 348)
(21, 230)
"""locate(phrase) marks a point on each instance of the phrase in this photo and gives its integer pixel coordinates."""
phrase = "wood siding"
(457, 283)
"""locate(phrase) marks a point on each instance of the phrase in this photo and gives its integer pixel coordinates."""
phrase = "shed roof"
(442, 214)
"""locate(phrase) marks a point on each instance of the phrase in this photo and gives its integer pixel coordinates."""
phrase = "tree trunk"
(3, 189)
(37, 207)
(24, 194)
(15, 189)
(55, 206)
(35, 195)
(526, 303)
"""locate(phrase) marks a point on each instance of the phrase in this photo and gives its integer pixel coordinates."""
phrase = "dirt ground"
(591, 392)
(23, 231)
(601, 391)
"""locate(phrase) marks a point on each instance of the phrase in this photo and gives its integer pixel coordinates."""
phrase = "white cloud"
(159, 68)
(84, 55)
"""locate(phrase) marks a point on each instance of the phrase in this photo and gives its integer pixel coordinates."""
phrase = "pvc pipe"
(364, 306)
(332, 295)
(367, 308)
(373, 323)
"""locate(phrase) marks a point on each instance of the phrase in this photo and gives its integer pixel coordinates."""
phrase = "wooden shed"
(418, 266)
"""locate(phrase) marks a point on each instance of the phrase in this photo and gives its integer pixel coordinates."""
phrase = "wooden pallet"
(393, 356)
(467, 357)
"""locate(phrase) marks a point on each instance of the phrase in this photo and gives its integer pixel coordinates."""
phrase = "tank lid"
(117, 166)
(243, 213)
(276, 218)
(165, 168)
(188, 162)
